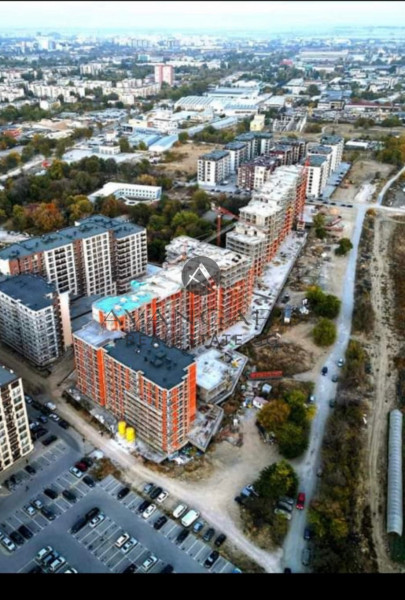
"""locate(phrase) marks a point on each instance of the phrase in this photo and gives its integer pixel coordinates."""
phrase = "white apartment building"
(336, 142)
(15, 438)
(91, 69)
(318, 173)
(130, 193)
(34, 318)
(88, 258)
(237, 154)
(213, 168)
(320, 150)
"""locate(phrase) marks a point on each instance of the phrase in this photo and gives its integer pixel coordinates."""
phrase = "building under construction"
(269, 217)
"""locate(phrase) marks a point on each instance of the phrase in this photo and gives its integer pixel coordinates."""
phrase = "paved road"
(325, 390)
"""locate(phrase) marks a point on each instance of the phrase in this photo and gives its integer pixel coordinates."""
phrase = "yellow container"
(122, 426)
(130, 434)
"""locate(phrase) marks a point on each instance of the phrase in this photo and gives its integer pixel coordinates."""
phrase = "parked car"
(282, 511)
(332, 402)
(78, 525)
(69, 495)
(81, 466)
(52, 494)
(149, 562)
(89, 481)
(306, 557)
(28, 399)
(335, 378)
(30, 469)
(162, 497)
(155, 492)
(87, 461)
(132, 568)
(121, 540)
(8, 544)
(17, 538)
(35, 569)
(143, 506)
(209, 534)
(198, 526)
(149, 511)
(300, 501)
(76, 472)
(182, 536)
(93, 512)
(131, 543)
(220, 540)
(179, 510)
(48, 513)
(147, 488)
(308, 534)
(57, 564)
(65, 425)
(341, 362)
(211, 560)
(160, 521)
(38, 504)
(97, 520)
(43, 419)
(167, 569)
(49, 440)
(324, 370)
(30, 510)
(54, 417)
(43, 553)
(123, 492)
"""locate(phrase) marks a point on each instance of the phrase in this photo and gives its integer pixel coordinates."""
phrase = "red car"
(301, 501)
(81, 466)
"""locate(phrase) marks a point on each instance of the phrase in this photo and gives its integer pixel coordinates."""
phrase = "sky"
(203, 15)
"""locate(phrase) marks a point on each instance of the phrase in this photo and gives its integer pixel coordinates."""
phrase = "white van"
(190, 518)
(179, 511)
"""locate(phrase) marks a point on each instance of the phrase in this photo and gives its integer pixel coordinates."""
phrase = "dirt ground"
(348, 130)
(188, 164)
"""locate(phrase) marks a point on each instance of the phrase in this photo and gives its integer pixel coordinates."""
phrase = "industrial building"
(141, 380)
(34, 318)
(15, 438)
(97, 255)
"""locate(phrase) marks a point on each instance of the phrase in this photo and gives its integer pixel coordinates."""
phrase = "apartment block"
(318, 172)
(214, 167)
(161, 306)
(15, 438)
(34, 318)
(254, 174)
(336, 142)
(164, 74)
(258, 143)
(96, 256)
(237, 154)
(298, 147)
(140, 380)
(324, 151)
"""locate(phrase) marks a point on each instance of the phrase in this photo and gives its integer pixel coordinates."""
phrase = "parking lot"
(93, 550)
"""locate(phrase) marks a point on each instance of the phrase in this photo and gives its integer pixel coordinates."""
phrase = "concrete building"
(162, 306)
(237, 153)
(324, 151)
(164, 74)
(130, 193)
(15, 438)
(254, 174)
(214, 167)
(34, 318)
(318, 173)
(96, 256)
(336, 142)
(149, 385)
(257, 124)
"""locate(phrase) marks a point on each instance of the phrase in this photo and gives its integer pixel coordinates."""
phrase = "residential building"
(237, 153)
(214, 167)
(96, 256)
(164, 74)
(318, 173)
(141, 380)
(336, 142)
(34, 318)
(15, 438)
(252, 175)
(320, 150)
(257, 124)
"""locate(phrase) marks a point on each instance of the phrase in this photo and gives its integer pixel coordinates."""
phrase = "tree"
(146, 179)
(344, 247)
(323, 305)
(319, 224)
(142, 146)
(111, 207)
(183, 137)
(47, 217)
(292, 440)
(279, 479)
(79, 207)
(324, 333)
(313, 90)
(273, 416)
(19, 218)
(200, 202)
(125, 145)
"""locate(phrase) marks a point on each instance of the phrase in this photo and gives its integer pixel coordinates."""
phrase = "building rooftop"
(32, 291)
(331, 139)
(89, 227)
(6, 376)
(96, 335)
(215, 155)
(235, 146)
(113, 187)
(163, 365)
(315, 160)
(319, 149)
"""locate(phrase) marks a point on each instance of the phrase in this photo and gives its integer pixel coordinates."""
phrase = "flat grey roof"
(331, 139)
(6, 376)
(89, 227)
(31, 290)
(215, 155)
(161, 364)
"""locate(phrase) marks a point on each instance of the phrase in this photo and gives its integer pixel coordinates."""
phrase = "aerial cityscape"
(202, 291)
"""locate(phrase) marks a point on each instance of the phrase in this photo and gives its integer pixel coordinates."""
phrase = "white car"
(30, 510)
(179, 511)
(43, 552)
(149, 562)
(76, 472)
(57, 564)
(97, 520)
(121, 540)
(71, 570)
(38, 504)
(149, 511)
(54, 417)
(162, 497)
(34, 424)
(51, 405)
(341, 362)
(131, 543)
(8, 544)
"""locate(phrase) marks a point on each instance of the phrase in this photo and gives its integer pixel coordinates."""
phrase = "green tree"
(292, 440)
(344, 247)
(200, 202)
(279, 479)
(79, 207)
(274, 415)
(324, 332)
(183, 137)
(19, 218)
(125, 145)
(313, 90)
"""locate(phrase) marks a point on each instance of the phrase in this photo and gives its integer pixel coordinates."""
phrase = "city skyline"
(269, 16)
